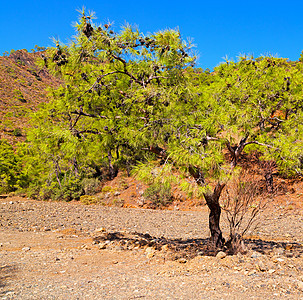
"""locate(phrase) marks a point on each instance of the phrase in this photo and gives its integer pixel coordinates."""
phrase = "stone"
(182, 260)
(260, 266)
(102, 229)
(255, 254)
(221, 255)
(164, 248)
(300, 285)
(102, 246)
(26, 248)
(278, 251)
(276, 259)
(149, 250)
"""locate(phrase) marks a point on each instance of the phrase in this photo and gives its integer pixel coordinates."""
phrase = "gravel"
(57, 250)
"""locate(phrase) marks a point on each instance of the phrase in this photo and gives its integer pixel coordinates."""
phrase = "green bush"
(17, 132)
(158, 194)
(90, 185)
(12, 176)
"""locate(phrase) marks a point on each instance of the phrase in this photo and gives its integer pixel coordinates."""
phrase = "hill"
(22, 88)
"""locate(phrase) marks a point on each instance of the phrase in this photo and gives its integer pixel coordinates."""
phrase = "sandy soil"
(57, 250)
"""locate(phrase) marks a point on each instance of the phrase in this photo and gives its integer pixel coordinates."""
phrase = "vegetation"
(135, 102)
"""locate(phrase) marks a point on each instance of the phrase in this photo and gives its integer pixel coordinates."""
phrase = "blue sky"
(218, 28)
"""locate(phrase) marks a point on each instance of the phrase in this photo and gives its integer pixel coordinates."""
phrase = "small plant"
(107, 189)
(158, 194)
(90, 185)
(118, 202)
(242, 206)
(17, 132)
(18, 95)
(87, 200)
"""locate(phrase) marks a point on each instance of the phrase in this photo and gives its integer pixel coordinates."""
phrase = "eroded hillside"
(22, 87)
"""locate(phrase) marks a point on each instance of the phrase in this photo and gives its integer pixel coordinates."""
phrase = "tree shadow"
(7, 273)
(265, 247)
(184, 248)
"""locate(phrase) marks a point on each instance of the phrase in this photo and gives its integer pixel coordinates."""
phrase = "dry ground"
(57, 250)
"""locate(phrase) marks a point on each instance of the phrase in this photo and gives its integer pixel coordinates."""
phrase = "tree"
(116, 103)
(130, 99)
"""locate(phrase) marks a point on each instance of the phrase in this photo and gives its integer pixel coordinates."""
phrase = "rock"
(149, 250)
(117, 193)
(260, 266)
(278, 251)
(102, 246)
(150, 254)
(102, 229)
(164, 248)
(26, 248)
(271, 271)
(182, 260)
(300, 285)
(221, 255)
(251, 273)
(255, 254)
(277, 259)
(119, 248)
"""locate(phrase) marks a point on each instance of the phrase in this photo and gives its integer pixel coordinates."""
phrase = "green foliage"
(87, 200)
(12, 176)
(133, 101)
(159, 194)
(17, 132)
(111, 106)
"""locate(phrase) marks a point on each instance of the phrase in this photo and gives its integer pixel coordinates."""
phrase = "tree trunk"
(236, 151)
(110, 165)
(212, 201)
(269, 181)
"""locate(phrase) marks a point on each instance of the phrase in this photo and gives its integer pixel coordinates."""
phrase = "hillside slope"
(22, 87)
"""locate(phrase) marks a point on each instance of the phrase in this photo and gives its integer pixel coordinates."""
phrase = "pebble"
(102, 246)
(277, 259)
(102, 229)
(26, 248)
(300, 285)
(164, 248)
(221, 255)
(255, 254)
(260, 266)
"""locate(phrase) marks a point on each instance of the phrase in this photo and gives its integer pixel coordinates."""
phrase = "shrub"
(90, 185)
(242, 204)
(12, 177)
(87, 199)
(17, 132)
(158, 194)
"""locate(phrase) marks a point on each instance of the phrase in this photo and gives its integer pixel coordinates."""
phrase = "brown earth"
(59, 250)
(22, 88)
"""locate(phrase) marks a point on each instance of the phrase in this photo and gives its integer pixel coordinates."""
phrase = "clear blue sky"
(218, 28)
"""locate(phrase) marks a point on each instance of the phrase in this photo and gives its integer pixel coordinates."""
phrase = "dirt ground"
(58, 250)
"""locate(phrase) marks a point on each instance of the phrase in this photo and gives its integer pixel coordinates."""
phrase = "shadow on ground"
(189, 248)
(7, 273)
